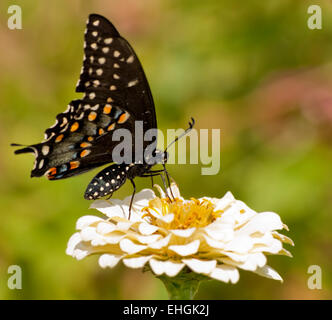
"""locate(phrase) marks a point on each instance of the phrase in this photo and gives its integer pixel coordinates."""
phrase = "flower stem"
(184, 286)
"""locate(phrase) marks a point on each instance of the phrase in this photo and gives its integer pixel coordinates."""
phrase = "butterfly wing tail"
(26, 149)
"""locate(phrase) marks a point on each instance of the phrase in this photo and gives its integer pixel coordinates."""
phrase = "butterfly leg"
(168, 180)
(153, 174)
(132, 197)
(167, 177)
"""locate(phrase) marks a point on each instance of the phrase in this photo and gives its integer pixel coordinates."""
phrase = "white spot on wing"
(41, 164)
(96, 83)
(108, 40)
(132, 83)
(56, 122)
(130, 59)
(45, 150)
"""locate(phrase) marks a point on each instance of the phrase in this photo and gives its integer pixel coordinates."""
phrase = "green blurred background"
(251, 68)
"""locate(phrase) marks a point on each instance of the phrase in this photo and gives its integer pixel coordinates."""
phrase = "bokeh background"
(251, 68)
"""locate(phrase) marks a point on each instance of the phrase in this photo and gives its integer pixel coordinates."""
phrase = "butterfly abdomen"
(107, 181)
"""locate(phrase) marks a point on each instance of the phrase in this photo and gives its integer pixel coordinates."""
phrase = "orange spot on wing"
(51, 172)
(85, 144)
(59, 138)
(123, 118)
(90, 138)
(74, 126)
(111, 127)
(107, 108)
(101, 131)
(74, 164)
(84, 153)
(92, 116)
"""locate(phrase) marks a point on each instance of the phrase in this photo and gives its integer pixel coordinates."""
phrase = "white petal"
(160, 190)
(109, 260)
(268, 272)
(183, 233)
(240, 244)
(214, 243)
(105, 227)
(235, 256)
(98, 242)
(262, 222)
(146, 228)
(225, 201)
(160, 243)
(186, 249)
(114, 237)
(86, 221)
(239, 211)
(200, 266)
(285, 253)
(282, 237)
(169, 267)
(89, 233)
(148, 239)
(142, 198)
(73, 241)
(220, 231)
(271, 246)
(76, 248)
(137, 262)
(130, 247)
(120, 208)
(175, 190)
(110, 209)
(80, 253)
(123, 226)
(251, 261)
(225, 273)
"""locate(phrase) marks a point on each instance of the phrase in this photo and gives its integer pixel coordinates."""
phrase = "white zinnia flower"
(210, 236)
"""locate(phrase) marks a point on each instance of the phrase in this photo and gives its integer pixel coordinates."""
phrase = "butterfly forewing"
(112, 72)
(116, 94)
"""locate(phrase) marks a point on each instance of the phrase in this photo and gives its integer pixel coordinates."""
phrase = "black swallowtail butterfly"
(116, 95)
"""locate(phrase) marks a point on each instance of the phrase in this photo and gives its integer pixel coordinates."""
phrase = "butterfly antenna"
(191, 125)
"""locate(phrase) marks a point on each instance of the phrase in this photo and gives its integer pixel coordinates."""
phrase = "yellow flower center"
(187, 214)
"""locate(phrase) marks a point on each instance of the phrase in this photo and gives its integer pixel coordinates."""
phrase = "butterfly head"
(158, 157)
(161, 156)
